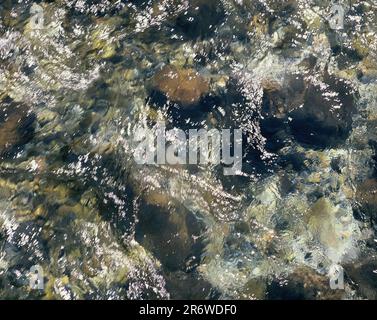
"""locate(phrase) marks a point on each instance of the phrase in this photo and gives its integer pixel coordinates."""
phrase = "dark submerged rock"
(277, 102)
(201, 19)
(318, 116)
(169, 235)
(174, 238)
(325, 119)
(364, 276)
(16, 125)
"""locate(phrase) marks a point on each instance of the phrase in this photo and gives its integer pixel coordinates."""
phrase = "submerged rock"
(278, 101)
(189, 286)
(184, 86)
(303, 284)
(363, 273)
(325, 119)
(16, 125)
(102, 44)
(258, 25)
(255, 288)
(174, 238)
(321, 222)
(201, 18)
(317, 113)
(366, 196)
(368, 68)
(170, 235)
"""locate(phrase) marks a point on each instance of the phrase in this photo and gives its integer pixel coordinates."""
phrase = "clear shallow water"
(78, 77)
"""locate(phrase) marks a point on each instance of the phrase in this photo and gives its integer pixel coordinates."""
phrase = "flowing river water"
(78, 78)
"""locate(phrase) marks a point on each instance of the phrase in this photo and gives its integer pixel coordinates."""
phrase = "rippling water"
(78, 78)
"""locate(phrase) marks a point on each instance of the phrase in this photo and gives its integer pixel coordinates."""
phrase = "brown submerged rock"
(366, 196)
(15, 125)
(304, 284)
(184, 86)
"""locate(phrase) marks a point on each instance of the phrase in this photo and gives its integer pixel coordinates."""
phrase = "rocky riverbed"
(78, 78)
